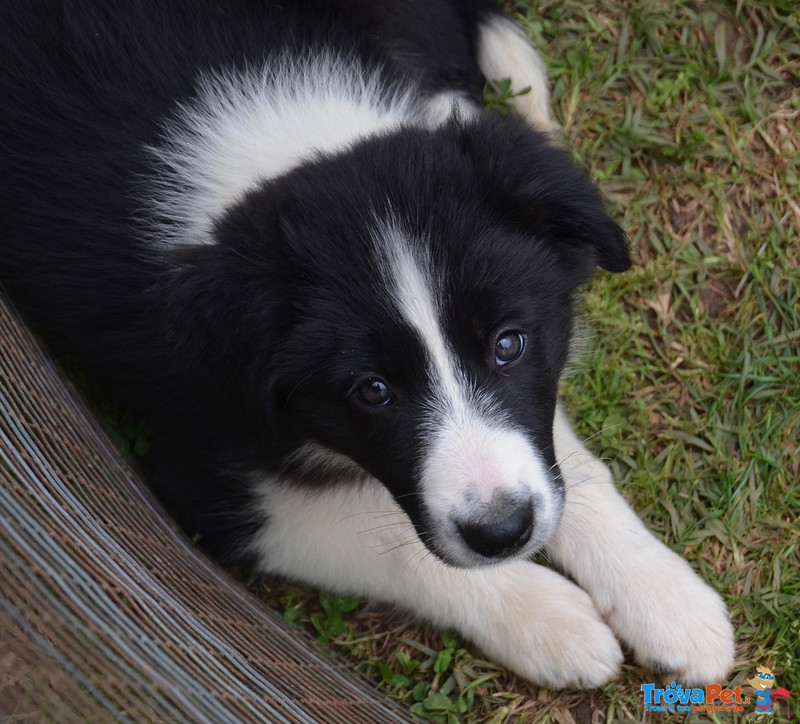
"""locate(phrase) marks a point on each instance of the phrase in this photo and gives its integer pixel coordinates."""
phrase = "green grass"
(687, 115)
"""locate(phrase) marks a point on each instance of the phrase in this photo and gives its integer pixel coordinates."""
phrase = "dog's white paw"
(544, 628)
(653, 600)
(675, 623)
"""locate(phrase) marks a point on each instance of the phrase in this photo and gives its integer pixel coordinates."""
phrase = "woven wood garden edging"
(106, 613)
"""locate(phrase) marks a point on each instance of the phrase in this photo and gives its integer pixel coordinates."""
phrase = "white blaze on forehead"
(473, 455)
(414, 287)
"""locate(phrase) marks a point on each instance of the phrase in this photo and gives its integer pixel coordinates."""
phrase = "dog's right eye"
(374, 392)
(509, 347)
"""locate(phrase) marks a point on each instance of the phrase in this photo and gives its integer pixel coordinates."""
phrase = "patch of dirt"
(716, 299)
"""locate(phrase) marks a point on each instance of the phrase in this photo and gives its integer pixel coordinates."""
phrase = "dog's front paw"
(545, 628)
(675, 623)
(650, 596)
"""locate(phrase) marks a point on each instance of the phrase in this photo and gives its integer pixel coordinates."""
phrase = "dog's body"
(342, 294)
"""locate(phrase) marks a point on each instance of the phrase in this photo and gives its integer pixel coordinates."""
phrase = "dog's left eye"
(374, 392)
(509, 347)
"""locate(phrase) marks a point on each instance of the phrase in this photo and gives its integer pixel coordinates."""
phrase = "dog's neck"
(245, 128)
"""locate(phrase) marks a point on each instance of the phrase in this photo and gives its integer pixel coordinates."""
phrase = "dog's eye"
(374, 392)
(509, 347)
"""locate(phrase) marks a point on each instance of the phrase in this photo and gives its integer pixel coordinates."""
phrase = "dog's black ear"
(201, 312)
(537, 188)
(220, 327)
(219, 292)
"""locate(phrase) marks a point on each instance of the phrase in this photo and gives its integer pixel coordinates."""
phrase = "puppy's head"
(405, 309)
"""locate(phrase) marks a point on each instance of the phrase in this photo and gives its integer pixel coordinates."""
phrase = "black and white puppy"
(342, 294)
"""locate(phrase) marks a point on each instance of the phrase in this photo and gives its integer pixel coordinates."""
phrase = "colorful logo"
(762, 684)
(714, 697)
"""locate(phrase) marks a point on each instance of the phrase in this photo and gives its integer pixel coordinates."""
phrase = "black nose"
(500, 536)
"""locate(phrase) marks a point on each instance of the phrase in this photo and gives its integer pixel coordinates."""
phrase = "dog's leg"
(505, 52)
(358, 541)
(650, 596)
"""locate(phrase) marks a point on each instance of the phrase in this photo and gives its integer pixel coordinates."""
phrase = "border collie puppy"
(342, 294)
